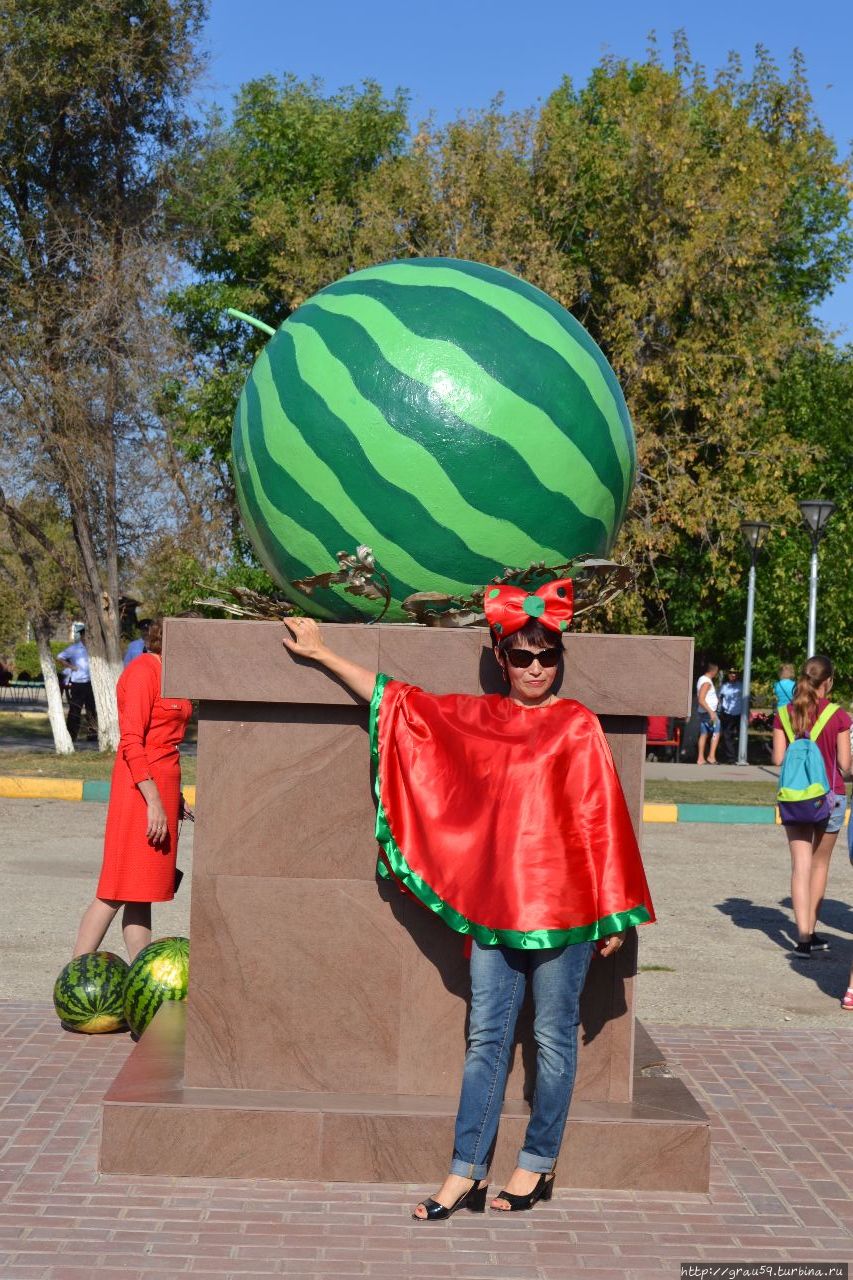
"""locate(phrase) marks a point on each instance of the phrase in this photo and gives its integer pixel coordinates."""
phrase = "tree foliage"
(262, 213)
(691, 222)
(90, 104)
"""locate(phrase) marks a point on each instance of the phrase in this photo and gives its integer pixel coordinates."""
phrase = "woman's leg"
(824, 844)
(497, 992)
(97, 918)
(558, 977)
(801, 843)
(136, 927)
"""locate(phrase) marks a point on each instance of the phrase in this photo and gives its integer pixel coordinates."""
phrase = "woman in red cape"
(504, 815)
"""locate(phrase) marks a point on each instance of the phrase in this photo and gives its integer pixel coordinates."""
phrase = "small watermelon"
(448, 415)
(89, 993)
(160, 972)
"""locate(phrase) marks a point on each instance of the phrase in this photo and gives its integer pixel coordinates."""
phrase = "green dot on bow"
(533, 606)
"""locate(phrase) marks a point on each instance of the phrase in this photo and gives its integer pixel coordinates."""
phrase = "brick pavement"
(782, 1164)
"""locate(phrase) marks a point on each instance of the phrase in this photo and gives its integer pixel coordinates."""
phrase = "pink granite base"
(153, 1123)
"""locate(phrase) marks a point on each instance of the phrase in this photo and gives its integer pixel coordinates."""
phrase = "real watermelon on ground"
(88, 995)
(160, 972)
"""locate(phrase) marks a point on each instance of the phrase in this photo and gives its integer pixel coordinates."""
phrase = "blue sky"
(453, 56)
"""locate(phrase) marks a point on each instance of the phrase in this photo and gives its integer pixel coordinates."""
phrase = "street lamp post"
(754, 532)
(815, 516)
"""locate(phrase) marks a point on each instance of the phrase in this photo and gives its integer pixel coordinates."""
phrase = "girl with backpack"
(812, 801)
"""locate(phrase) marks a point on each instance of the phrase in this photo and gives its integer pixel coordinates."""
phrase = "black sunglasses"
(525, 657)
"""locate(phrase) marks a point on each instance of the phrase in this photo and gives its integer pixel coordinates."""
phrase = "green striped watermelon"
(448, 415)
(160, 972)
(88, 995)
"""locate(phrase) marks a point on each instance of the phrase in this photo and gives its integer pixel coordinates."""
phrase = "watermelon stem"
(241, 315)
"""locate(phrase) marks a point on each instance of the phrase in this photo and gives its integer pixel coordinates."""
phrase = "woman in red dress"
(141, 837)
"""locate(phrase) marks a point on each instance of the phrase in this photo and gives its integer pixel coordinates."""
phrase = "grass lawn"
(665, 792)
(91, 766)
(22, 730)
(24, 727)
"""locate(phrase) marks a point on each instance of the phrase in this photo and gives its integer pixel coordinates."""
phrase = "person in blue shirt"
(731, 704)
(75, 659)
(140, 644)
(783, 689)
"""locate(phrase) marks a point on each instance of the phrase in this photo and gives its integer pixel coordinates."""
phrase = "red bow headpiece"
(509, 608)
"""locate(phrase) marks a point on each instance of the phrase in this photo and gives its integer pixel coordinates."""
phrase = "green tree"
(692, 223)
(90, 105)
(265, 212)
(707, 218)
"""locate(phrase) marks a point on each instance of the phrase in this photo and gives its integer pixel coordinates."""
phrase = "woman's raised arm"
(303, 637)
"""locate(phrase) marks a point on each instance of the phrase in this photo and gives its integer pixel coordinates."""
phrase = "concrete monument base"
(324, 1031)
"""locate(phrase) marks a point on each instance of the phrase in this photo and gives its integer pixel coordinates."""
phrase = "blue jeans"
(498, 980)
(836, 818)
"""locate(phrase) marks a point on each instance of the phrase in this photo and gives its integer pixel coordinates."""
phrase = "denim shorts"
(707, 726)
(835, 820)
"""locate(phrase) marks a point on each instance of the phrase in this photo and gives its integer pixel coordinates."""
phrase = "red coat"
(151, 727)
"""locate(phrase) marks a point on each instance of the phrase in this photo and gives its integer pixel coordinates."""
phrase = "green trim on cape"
(533, 939)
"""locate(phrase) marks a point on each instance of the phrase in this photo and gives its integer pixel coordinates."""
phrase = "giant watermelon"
(88, 995)
(448, 415)
(160, 972)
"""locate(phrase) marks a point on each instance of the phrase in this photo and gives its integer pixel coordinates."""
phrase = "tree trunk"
(61, 737)
(104, 677)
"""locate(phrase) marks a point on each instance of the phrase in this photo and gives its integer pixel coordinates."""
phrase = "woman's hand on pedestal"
(303, 636)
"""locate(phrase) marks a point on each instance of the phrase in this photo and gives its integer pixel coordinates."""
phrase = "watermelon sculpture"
(446, 414)
(89, 993)
(160, 972)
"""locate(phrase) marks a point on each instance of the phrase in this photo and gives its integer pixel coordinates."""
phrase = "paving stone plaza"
(771, 1067)
(781, 1170)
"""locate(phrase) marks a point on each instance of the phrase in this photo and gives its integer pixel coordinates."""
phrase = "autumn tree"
(91, 104)
(692, 222)
(708, 218)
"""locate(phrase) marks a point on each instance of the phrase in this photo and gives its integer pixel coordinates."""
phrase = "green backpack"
(804, 794)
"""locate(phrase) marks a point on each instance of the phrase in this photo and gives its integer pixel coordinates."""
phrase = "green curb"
(99, 791)
(731, 813)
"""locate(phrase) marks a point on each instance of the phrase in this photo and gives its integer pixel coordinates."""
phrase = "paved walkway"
(782, 1166)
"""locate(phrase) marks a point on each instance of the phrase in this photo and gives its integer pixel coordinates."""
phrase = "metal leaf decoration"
(357, 573)
(359, 576)
(596, 583)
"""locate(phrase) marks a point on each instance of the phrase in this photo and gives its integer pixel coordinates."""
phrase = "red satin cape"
(509, 823)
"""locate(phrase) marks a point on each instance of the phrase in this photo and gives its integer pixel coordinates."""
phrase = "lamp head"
(754, 532)
(816, 513)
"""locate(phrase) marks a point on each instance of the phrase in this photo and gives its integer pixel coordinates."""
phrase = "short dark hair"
(534, 633)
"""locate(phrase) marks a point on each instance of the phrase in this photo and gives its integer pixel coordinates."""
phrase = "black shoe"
(474, 1199)
(543, 1190)
(819, 943)
(802, 951)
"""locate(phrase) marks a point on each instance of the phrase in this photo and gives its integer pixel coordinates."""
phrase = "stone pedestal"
(324, 1032)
